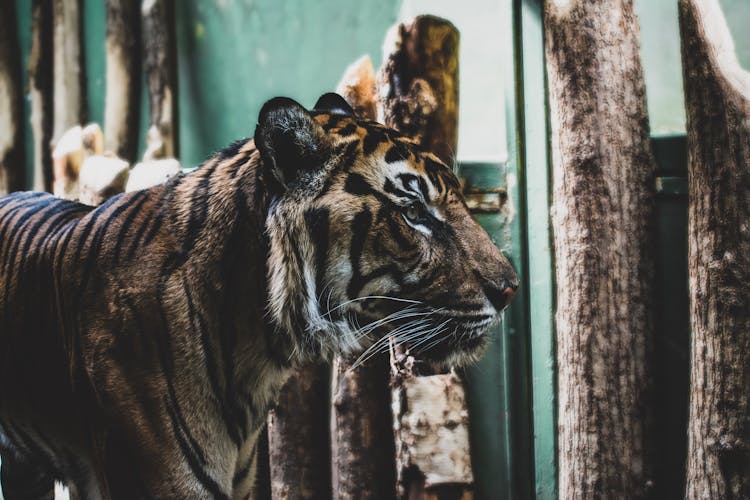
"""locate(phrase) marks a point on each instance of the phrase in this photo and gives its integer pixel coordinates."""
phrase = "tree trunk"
(69, 72)
(40, 82)
(431, 424)
(361, 422)
(122, 102)
(717, 97)
(418, 83)
(298, 437)
(12, 157)
(418, 95)
(603, 183)
(161, 73)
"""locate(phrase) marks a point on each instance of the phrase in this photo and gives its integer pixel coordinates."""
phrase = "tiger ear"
(335, 104)
(290, 141)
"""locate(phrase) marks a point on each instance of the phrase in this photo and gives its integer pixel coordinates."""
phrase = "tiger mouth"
(440, 337)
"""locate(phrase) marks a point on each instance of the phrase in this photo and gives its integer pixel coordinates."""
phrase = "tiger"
(143, 341)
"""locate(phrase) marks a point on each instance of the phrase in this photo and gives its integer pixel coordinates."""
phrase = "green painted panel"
(539, 292)
(234, 55)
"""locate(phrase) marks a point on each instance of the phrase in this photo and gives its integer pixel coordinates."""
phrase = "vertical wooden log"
(603, 183)
(298, 438)
(69, 72)
(418, 95)
(362, 450)
(717, 101)
(122, 102)
(40, 82)
(160, 61)
(12, 157)
(418, 83)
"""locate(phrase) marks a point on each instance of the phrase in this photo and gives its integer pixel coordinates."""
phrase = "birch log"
(418, 95)
(69, 77)
(603, 178)
(122, 101)
(298, 437)
(717, 101)
(40, 82)
(160, 63)
(418, 83)
(363, 454)
(12, 157)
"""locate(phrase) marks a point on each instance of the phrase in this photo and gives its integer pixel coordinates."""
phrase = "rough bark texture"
(40, 82)
(603, 178)
(122, 102)
(418, 83)
(69, 77)
(361, 422)
(717, 93)
(12, 157)
(298, 437)
(160, 61)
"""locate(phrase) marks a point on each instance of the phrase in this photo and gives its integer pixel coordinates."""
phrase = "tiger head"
(371, 240)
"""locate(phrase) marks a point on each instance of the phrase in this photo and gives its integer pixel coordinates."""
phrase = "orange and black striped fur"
(143, 341)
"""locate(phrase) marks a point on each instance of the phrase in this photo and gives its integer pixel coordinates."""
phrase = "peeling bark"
(12, 155)
(418, 83)
(603, 183)
(298, 437)
(160, 63)
(431, 424)
(717, 101)
(40, 82)
(69, 71)
(363, 454)
(122, 103)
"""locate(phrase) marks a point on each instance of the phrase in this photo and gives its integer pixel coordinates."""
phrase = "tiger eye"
(412, 213)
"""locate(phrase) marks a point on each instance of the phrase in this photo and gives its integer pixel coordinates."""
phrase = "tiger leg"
(25, 480)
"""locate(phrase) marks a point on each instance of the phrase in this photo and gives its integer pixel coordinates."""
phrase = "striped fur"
(143, 341)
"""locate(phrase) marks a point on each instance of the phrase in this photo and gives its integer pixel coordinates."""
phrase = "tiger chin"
(143, 341)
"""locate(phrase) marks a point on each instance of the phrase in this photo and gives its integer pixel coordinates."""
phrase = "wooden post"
(161, 75)
(298, 438)
(418, 95)
(12, 157)
(40, 82)
(69, 72)
(418, 83)
(603, 189)
(122, 102)
(362, 450)
(717, 101)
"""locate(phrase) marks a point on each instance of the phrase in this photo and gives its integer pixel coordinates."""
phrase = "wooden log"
(418, 83)
(431, 424)
(160, 63)
(362, 449)
(70, 150)
(603, 190)
(122, 102)
(40, 83)
(418, 95)
(101, 178)
(69, 71)
(12, 154)
(298, 437)
(717, 102)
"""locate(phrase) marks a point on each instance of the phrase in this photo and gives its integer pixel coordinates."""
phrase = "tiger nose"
(501, 296)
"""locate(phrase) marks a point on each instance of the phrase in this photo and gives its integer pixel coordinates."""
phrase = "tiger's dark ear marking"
(334, 104)
(290, 141)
